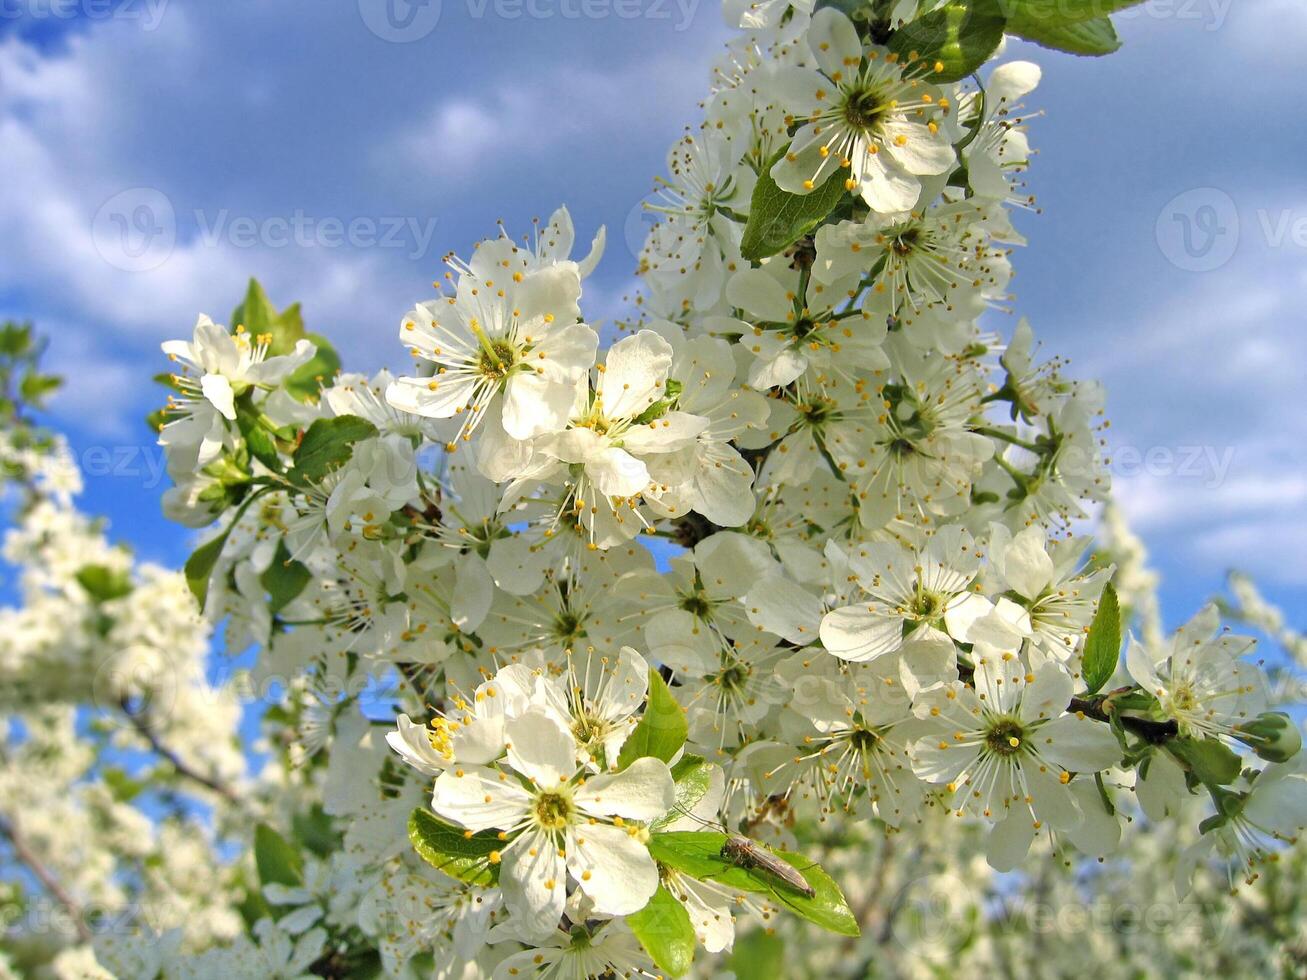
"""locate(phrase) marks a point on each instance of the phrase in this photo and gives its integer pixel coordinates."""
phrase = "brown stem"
(183, 768)
(45, 876)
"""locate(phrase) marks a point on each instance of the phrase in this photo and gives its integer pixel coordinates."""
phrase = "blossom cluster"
(798, 543)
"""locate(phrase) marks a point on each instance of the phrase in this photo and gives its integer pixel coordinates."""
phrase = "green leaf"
(1087, 37)
(453, 851)
(328, 444)
(199, 566)
(258, 439)
(34, 387)
(1103, 644)
(315, 830)
(778, 219)
(698, 854)
(306, 381)
(123, 787)
(758, 953)
(953, 40)
(258, 316)
(1209, 761)
(15, 338)
(104, 584)
(1060, 12)
(662, 729)
(284, 578)
(278, 862)
(664, 929)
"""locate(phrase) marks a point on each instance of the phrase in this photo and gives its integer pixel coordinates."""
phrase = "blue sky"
(338, 155)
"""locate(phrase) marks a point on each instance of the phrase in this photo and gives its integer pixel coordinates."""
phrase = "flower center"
(553, 811)
(926, 605)
(568, 628)
(589, 730)
(496, 360)
(866, 110)
(1183, 698)
(1005, 736)
(697, 605)
(904, 243)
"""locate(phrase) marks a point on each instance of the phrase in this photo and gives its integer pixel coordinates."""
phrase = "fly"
(744, 853)
(752, 856)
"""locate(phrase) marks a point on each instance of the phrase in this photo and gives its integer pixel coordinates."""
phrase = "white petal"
(856, 633)
(757, 292)
(635, 372)
(781, 607)
(1010, 840)
(643, 791)
(534, 884)
(478, 799)
(217, 390)
(613, 867)
(1078, 744)
(1026, 564)
(540, 747)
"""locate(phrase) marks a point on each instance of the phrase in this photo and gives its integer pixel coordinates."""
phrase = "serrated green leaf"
(258, 316)
(1103, 644)
(953, 40)
(451, 850)
(104, 584)
(328, 444)
(778, 219)
(662, 728)
(665, 931)
(284, 578)
(306, 381)
(699, 855)
(277, 860)
(1091, 38)
(1208, 760)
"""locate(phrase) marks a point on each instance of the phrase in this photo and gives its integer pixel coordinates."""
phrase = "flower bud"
(1272, 735)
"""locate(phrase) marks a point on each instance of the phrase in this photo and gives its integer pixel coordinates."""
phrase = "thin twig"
(183, 768)
(45, 876)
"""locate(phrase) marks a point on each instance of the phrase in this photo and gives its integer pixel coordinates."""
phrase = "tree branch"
(45, 876)
(183, 768)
